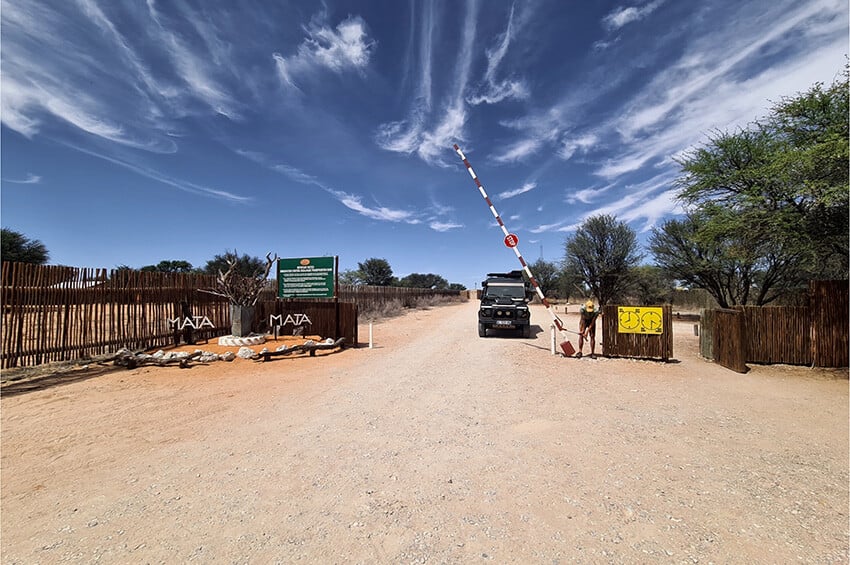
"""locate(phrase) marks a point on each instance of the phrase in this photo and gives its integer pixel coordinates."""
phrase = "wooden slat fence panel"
(816, 334)
(642, 346)
(53, 313)
(730, 346)
(830, 311)
(322, 316)
(778, 334)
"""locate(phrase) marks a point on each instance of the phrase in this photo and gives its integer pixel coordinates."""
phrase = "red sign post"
(511, 240)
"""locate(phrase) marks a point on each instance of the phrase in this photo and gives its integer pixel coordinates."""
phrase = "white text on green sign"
(307, 277)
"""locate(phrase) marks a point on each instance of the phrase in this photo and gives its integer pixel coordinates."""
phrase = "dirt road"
(436, 446)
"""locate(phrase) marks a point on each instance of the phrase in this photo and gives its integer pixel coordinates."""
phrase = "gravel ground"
(436, 446)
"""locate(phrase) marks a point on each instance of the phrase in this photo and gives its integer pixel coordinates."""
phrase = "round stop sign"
(511, 240)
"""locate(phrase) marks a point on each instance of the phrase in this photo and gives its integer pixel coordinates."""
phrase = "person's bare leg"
(593, 343)
(580, 340)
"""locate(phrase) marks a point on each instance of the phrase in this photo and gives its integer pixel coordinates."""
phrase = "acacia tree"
(375, 272)
(16, 247)
(243, 265)
(603, 251)
(349, 276)
(240, 289)
(734, 265)
(651, 285)
(546, 274)
(769, 203)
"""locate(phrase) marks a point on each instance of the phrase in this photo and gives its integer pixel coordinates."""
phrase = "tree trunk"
(241, 320)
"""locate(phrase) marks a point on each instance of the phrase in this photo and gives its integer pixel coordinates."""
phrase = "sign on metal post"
(306, 277)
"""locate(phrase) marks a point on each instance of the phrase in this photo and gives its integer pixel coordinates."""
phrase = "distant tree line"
(767, 210)
(377, 272)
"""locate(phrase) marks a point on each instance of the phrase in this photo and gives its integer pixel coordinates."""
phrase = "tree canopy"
(546, 274)
(768, 205)
(170, 267)
(16, 247)
(375, 272)
(603, 251)
(246, 265)
(651, 285)
(418, 280)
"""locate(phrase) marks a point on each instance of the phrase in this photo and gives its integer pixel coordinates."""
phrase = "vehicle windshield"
(496, 290)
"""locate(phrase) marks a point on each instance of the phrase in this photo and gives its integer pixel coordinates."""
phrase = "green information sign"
(307, 277)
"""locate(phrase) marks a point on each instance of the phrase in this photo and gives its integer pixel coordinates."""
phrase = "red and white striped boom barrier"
(511, 241)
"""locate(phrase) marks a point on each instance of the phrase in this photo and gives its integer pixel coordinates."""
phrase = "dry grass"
(394, 308)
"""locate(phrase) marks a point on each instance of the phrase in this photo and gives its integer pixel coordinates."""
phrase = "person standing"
(587, 327)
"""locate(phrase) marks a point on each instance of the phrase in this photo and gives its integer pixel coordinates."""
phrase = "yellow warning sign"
(639, 320)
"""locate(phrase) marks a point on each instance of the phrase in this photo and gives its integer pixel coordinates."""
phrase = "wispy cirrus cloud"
(169, 180)
(345, 47)
(297, 175)
(492, 90)
(587, 195)
(711, 64)
(582, 144)
(648, 201)
(351, 201)
(516, 192)
(53, 54)
(29, 179)
(355, 202)
(192, 65)
(444, 226)
(714, 83)
(704, 89)
(622, 16)
(519, 150)
(426, 131)
(538, 130)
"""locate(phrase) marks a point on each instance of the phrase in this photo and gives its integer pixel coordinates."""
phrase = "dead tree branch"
(242, 290)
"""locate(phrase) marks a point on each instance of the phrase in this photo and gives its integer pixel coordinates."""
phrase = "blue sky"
(134, 132)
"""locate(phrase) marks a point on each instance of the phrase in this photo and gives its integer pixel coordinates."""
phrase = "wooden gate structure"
(730, 346)
(815, 335)
(829, 302)
(643, 346)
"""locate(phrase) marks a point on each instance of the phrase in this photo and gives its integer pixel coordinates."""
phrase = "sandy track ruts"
(434, 447)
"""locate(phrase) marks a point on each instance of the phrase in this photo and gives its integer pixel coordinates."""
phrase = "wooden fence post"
(706, 333)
